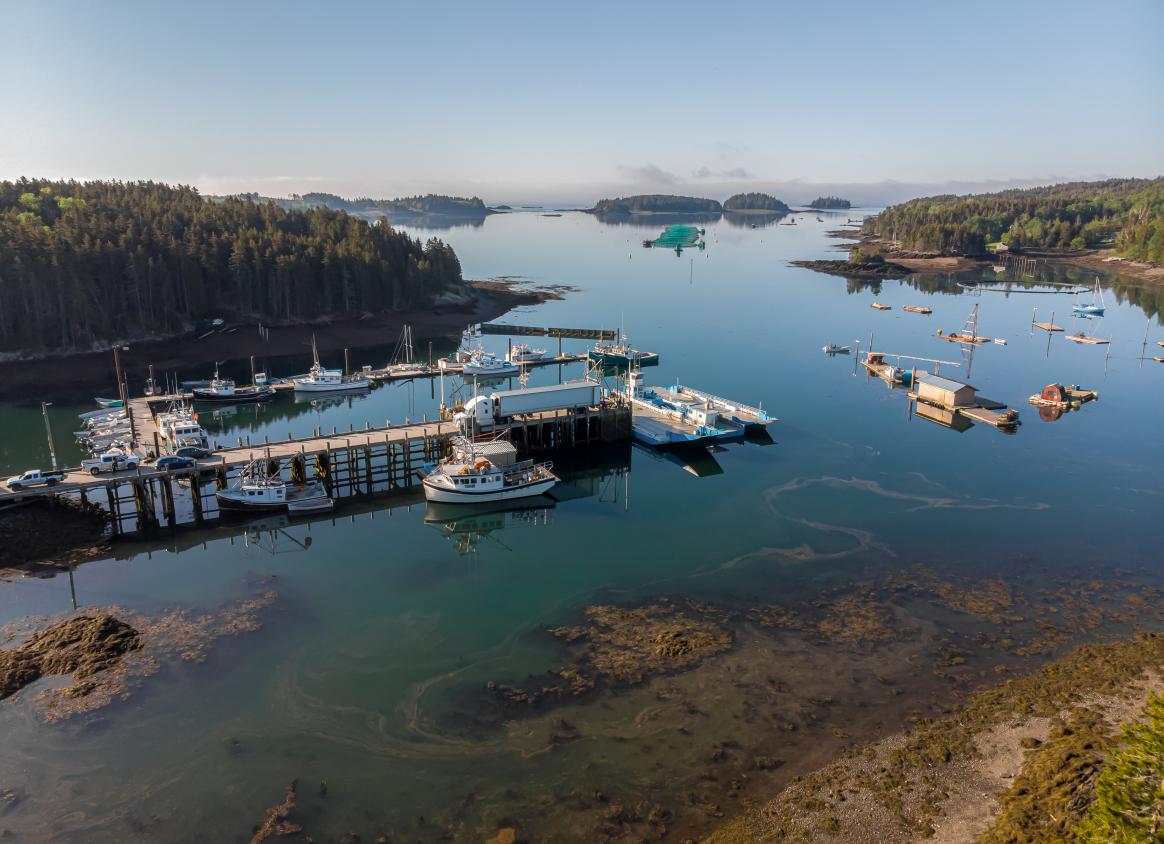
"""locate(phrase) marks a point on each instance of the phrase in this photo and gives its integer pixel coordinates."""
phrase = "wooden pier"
(534, 331)
(356, 462)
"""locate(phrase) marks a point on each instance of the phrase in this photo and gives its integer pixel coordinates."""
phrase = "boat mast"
(44, 406)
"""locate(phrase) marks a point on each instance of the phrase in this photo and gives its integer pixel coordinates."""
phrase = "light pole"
(44, 406)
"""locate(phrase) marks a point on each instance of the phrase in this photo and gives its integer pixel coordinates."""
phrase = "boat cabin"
(945, 392)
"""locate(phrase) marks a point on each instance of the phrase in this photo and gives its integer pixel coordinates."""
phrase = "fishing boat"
(258, 489)
(620, 353)
(488, 364)
(834, 349)
(106, 404)
(917, 309)
(522, 353)
(179, 427)
(224, 390)
(483, 473)
(969, 332)
(1094, 307)
(320, 380)
(470, 340)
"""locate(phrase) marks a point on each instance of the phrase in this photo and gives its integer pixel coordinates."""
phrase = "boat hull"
(617, 360)
(229, 502)
(493, 371)
(435, 493)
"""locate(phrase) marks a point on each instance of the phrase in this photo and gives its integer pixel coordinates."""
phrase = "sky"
(568, 102)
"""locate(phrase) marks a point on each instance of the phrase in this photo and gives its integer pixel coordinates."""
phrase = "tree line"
(85, 263)
(1127, 214)
(755, 202)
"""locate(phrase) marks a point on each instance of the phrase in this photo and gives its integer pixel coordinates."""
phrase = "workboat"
(484, 473)
(834, 349)
(224, 390)
(522, 353)
(470, 340)
(620, 353)
(179, 427)
(488, 364)
(1094, 307)
(260, 490)
(320, 380)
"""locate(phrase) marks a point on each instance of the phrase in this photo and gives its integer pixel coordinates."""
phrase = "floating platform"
(1056, 395)
(678, 237)
(917, 309)
(678, 415)
(881, 306)
(887, 372)
(535, 331)
(1047, 326)
(1090, 341)
(957, 398)
(958, 337)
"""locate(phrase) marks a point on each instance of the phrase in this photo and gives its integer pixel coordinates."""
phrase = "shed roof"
(942, 383)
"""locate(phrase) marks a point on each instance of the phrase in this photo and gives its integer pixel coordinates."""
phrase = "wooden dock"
(1047, 326)
(349, 463)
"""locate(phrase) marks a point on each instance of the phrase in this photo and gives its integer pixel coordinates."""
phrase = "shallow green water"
(370, 668)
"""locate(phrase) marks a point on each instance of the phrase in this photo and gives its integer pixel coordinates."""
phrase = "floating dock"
(1088, 341)
(678, 237)
(678, 415)
(887, 372)
(962, 399)
(1056, 395)
(917, 309)
(1047, 326)
(534, 331)
(881, 306)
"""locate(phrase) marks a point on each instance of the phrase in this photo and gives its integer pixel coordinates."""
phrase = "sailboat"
(969, 332)
(1094, 307)
(320, 380)
(402, 358)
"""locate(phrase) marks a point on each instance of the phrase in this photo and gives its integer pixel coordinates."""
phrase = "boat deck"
(657, 428)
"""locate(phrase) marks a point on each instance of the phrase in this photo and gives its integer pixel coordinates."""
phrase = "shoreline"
(29, 380)
(994, 766)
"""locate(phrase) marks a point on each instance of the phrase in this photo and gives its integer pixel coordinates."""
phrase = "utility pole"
(44, 406)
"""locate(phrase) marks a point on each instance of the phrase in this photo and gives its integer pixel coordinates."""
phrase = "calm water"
(369, 669)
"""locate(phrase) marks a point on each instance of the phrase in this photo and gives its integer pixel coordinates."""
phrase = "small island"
(861, 264)
(755, 203)
(655, 203)
(830, 203)
(429, 207)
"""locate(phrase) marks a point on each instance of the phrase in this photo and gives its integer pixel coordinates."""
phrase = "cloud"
(649, 173)
(706, 172)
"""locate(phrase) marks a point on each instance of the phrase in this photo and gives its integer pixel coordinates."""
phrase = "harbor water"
(371, 680)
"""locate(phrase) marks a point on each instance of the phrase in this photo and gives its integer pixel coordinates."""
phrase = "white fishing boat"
(320, 380)
(178, 427)
(488, 364)
(225, 390)
(522, 353)
(834, 349)
(260, 490)
(470, 340)
(487, 472)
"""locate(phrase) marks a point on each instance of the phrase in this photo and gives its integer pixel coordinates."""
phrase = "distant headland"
(409, 209)
(830, 202)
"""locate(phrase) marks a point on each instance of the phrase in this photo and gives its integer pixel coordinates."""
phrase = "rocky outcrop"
(81, 646)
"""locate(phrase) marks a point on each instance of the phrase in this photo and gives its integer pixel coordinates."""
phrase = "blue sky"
(571, 101)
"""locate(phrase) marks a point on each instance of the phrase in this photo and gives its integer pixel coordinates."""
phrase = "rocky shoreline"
(44, 377)
(856, 269)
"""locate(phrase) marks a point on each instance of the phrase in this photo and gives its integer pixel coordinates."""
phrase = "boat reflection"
(468, 526)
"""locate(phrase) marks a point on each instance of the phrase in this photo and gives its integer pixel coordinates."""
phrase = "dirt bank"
(1016, 763)
(36, 379)
(46, 536)
(1102, 262)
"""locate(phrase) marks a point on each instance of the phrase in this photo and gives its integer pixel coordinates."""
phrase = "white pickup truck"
(111, 461)
(35, 477)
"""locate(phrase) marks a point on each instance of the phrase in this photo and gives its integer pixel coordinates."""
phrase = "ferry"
(681, 415)
(485, 473)
(259, 490)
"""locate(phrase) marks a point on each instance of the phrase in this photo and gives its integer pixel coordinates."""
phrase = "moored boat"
(258, 489)
(522, 353)
(487, 363)
(225, 390)
(484, 474)
(320, 380)
(1094, 307)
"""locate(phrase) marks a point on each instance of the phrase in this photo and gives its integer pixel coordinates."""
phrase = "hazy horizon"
(520, 104)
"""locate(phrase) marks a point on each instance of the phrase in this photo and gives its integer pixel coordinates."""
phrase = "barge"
(679, 415)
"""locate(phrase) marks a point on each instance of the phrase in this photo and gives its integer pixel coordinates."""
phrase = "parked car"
(35, 477)
(113, 460)
(195, 451)
(173, 461)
